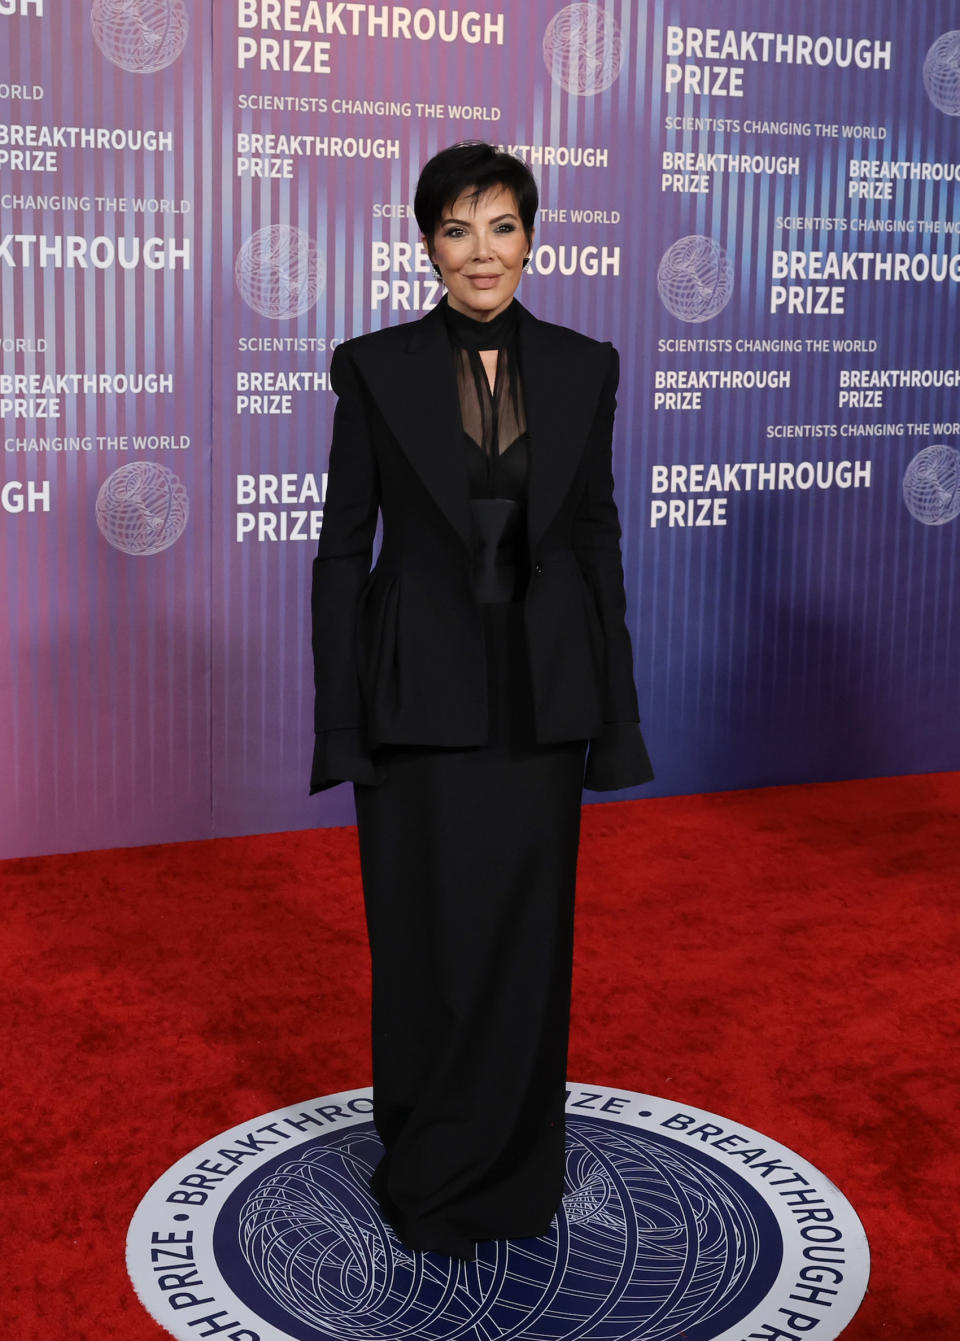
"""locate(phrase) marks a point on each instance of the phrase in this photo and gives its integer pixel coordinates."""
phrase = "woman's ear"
(427, 240)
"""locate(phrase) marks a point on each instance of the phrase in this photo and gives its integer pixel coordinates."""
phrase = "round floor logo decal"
(675, 1224)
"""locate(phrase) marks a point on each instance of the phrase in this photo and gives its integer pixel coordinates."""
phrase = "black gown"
(468, 859)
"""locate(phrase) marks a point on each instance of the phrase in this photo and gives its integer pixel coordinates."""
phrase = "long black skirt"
(468, 859)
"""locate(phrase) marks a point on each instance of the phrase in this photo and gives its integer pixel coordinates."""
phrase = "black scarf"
(493, 419)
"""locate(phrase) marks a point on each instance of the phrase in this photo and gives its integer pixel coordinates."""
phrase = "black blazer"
(398, 651)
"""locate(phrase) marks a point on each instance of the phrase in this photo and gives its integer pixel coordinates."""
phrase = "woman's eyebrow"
(466, 222)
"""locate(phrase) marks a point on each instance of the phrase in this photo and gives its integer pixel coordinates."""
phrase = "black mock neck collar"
(470, 334)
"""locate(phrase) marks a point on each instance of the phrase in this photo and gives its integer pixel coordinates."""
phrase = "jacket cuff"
(617, 758)
(342, 756)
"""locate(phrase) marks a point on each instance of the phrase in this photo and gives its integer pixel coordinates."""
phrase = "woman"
(460, 686)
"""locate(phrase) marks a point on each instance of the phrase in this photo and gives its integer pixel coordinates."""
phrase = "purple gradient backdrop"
(169, 696)
(105, 698)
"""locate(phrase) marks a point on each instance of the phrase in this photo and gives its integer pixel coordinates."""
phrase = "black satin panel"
(498, 488)
(497, 522)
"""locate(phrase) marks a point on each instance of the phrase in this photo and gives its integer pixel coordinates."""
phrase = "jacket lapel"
(560, 389)
(417, 396)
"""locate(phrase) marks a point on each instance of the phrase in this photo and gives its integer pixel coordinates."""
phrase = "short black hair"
(475, 167)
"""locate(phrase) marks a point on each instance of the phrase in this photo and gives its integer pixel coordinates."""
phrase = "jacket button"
(538, 569)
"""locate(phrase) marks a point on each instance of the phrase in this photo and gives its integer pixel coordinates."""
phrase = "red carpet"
(786, 958)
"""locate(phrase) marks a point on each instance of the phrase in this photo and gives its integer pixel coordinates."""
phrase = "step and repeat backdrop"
(758, 204)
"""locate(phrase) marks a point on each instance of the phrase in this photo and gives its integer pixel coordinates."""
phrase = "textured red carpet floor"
(786, 958)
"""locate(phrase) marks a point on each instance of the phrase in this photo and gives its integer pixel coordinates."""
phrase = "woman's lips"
(484, 281)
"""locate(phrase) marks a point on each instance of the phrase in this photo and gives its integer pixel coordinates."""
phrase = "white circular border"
(154, 1219)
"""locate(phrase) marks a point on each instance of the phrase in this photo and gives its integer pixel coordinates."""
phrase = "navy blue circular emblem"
(651, 1241)
(674, 1224)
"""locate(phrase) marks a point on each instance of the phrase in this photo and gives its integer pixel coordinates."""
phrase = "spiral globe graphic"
(695, 279)
(280, 272)
(141, 36)
(582, 49)
(142, 508)
(650, 1239)
(931, 486)
(941, 73)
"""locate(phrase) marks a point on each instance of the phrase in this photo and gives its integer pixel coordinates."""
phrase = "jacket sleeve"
(618, 756)
(342, 756)
(341, 567)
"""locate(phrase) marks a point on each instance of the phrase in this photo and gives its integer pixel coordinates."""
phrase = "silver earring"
(437, 272)
(526, 262)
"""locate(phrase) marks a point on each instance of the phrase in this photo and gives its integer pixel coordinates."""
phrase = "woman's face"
(480, 245)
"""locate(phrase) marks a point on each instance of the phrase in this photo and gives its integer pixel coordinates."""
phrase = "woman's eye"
(506, 228)
(453, 232)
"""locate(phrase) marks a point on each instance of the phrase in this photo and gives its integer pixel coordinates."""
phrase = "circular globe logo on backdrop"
(142, 508)
(141, 36)
(931, 486)
(582, 49)
(695, 279)
(941, 73)
(280, 272)
(674, 1223)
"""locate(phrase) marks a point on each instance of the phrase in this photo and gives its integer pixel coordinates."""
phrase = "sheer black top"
(495, 444)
